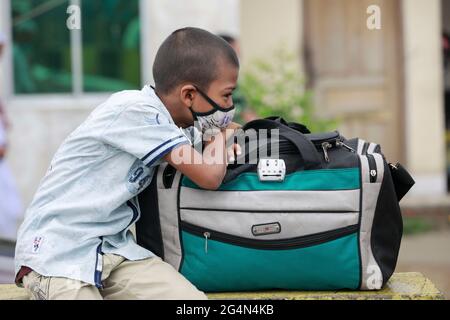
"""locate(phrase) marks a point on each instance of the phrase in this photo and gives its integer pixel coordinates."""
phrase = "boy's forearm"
(215, 155)
(208, 173)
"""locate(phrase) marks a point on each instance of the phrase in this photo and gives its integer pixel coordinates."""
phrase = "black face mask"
(217, 117)
(215, 106)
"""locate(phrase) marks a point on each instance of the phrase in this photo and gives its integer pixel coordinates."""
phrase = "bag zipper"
(335, 143)
(283, 244)
(285, 147)
(340, 143)
(267, 211)
(325, 147)
(206, 234)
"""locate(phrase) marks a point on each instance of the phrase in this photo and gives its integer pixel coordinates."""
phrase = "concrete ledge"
(12, 292)
(402, 286)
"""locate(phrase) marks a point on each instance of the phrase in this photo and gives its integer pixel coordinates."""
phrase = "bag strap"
(293, 125)
(306, 149)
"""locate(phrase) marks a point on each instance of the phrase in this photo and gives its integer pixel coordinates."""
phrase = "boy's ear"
(187, 94)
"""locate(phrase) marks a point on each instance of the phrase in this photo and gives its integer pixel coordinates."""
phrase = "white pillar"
(146, 44)
(267, 25)
(424, 110)
(6, 62)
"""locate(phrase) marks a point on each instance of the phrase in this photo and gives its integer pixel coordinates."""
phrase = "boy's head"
(233, 42)
(196, 72)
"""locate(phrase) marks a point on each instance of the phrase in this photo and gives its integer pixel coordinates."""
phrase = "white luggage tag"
(271, 170)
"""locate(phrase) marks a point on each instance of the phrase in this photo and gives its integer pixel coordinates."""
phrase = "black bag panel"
(353, 143)
(339, 158)
(289, 152)
(387, 227)
(148, 227)
(168, 176)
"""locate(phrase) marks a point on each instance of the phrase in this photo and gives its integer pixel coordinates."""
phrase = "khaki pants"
(122, 279)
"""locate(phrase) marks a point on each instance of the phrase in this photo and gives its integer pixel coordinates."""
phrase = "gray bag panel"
(168, 213)
(333, 200)
(291, 224)
(371, 277)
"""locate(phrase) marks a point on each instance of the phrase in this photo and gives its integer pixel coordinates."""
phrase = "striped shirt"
(86, 203)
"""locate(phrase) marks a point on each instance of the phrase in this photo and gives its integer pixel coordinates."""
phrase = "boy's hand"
(209, 172)
(231, 129)
(235, 149)
(234, 126)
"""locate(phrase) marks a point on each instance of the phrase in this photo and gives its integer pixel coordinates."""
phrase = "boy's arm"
(207, 173)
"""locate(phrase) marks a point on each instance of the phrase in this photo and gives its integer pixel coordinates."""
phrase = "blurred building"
(387, 84)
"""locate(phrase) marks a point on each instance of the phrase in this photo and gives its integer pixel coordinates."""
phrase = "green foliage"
(416, 225)
(277, 88)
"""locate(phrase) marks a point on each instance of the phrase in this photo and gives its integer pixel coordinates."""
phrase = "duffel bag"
(327, 216)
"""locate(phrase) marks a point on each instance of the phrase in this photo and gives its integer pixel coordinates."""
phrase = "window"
(43, 47)
(111, 45)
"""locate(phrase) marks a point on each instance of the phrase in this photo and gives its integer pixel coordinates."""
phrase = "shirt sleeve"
(193, 135)
(144, 132)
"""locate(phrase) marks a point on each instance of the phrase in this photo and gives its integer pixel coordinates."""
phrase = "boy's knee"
(187, 294)
(196, 296)
(181, 288)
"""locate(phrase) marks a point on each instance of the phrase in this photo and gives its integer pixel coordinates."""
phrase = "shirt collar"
(150, 91)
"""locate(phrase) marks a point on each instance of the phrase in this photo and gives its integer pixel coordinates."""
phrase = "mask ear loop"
(195, 117)
(212, 103)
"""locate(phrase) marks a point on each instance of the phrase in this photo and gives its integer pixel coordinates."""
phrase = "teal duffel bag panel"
(326, 179)
(223, 266)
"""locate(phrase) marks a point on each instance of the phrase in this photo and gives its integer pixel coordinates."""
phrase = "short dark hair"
(190, 55)
(228, 38)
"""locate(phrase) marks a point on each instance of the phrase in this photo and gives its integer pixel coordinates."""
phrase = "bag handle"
(306, 149)
(293, 125)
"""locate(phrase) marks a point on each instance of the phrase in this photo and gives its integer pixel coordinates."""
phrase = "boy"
(244, 112)
(75, 242)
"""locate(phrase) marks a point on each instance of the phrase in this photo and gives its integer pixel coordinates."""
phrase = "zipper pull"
(340, 143)
(206, 235)
(325, 147)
